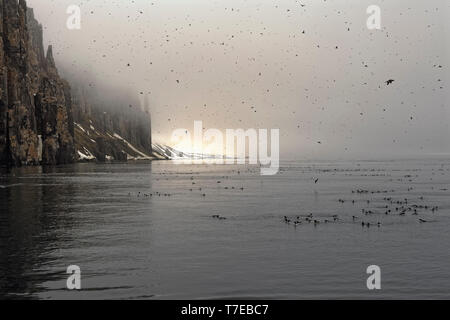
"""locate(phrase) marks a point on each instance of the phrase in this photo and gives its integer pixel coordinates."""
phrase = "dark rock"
(35, 110)
(43, 120)
(107, 127)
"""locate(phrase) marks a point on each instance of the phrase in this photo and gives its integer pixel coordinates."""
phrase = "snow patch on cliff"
(142, 156)
(87, 155)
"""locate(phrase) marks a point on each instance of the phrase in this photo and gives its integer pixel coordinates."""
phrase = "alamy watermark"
(74, 19)
(374, 280)
(235, 146)
(74, 280)
(374, 20)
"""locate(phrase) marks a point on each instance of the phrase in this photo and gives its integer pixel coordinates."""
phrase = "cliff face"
(43, 120)
(35, 103)
(104, 131)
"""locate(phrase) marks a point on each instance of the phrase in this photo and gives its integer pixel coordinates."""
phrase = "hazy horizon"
(316, 72)
(319, 167)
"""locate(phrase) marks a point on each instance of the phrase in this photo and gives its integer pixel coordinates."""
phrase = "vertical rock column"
(36, 121)
(4, 152)
(54, 115)
(22, 139)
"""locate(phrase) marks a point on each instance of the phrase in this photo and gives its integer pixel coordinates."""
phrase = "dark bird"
(390, 81)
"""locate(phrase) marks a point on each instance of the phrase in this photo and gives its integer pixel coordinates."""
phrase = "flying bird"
(390, 81)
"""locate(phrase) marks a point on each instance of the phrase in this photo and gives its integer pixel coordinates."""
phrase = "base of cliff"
(96, 145)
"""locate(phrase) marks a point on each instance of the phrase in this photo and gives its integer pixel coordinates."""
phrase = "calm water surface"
(129, 244)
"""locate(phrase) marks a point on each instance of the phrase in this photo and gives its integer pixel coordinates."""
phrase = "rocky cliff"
(109, 129)
(35, 110)
(45, 121)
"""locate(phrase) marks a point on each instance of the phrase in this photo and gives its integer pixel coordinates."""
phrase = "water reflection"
(145, 230)
(42, 208)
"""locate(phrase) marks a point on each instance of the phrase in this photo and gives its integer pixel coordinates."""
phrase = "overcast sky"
(310, 68)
